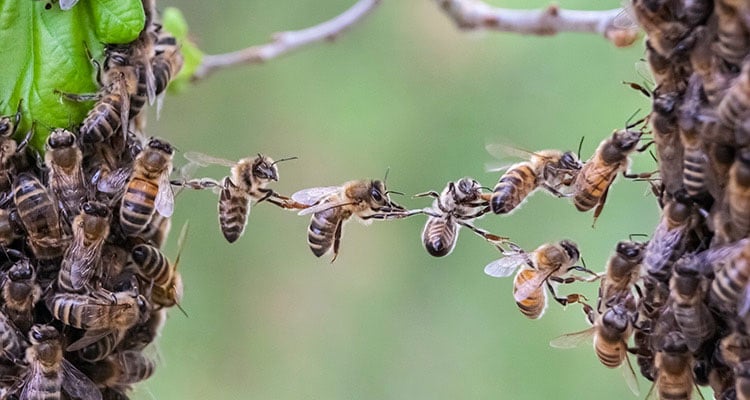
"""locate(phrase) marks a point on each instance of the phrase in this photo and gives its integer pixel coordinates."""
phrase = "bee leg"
(571, 298)
(642, 175)
(645, 146)
(600, 205)
(554, 191)
(584, 269)
(490, 237)
(337, 239)
(79, 97)
(25, 141)
(431, 193)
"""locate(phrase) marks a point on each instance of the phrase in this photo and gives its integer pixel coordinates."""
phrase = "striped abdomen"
(45, 387)
(234, 207)
(591, 183)
(13, 344)
(322, 230)
(738, 196)
(100, 349)
(694, 170)
(137, 205)
(103, 120)
(534, 304)
(439, 236)
(730, 283)
(513, 187)
(138, 99)
(38, 214)
(611, 355)
(153, 265)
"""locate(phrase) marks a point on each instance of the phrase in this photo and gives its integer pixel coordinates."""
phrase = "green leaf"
(174, 22)
(44, 50)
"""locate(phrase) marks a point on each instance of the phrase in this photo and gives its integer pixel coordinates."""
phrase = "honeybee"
(99, 349)
(736, 101)
(121, 369)
(49, 372)
(611, 157)
(728, 289)
(667, 138)
(8, 146)
(674, 368)
(12, 341)
(99, 310)
(549, 263)
(148, 188)
(118, 80)
(686, 294)
(738, 194)
(742, 382)
(667, 243)
(332, 206)
(38, 214)
(63, 159)
(731, 43)
(610, 331)
(460, 203)
(144, 332)
(166, 64)
(695, 160)
(549, 169)
(81, 260)
(248, 183)
(623, 270)
(20, 292)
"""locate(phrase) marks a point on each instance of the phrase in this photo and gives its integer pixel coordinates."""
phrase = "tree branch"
(286, 42)
(475, 15)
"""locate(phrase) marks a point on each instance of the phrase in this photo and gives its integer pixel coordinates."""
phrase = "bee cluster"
(84, 287)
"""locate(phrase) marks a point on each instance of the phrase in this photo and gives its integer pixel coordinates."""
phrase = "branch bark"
(288, 41)
(615, 25)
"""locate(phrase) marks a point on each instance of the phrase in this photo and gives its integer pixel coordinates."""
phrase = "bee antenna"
(486, 188)
(385, 178)
(284, 159)
(632, 235)
(387, 192)
(182, 310)
(580, 145)
(627, 122)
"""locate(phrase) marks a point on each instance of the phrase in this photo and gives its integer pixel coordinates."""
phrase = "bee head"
(21, 271)
(466, 187)
(571, 249)
(569, 161)
(60, 138)
(264, 168)
(616, 318)
(95, 209)
(42, 333)
(629, 250)
(674, 342)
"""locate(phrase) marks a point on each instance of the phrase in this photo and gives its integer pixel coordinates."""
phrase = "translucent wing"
(323, 207)
(629, 375)
(89, 337)
(573, 340)
(660, 248)
(625, 19)
(205, 160)
(78, 385)
(164, 201)
(34, 383)
(150, 80)
(505, 266)
(67, 4)
(313, 195)
(114, 181)
(525, 289)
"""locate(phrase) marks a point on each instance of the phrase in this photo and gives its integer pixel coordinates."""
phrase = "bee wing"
(67, 4)
(524, 290)
(205, 160)
(573, 340)
(661, 246)
(505, 266)
(164, 201)
(150, 80)
(89, 337)
(625, 19)
(323, 207)
(76, 384)
(114, 181)
(313, 195)
(629, 375)
(32, 382)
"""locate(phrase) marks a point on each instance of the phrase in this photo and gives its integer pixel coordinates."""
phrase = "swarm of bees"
(84, 286)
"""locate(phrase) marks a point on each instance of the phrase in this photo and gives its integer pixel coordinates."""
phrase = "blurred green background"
(405, 90)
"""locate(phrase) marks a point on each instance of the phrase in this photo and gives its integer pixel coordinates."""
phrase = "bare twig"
(475, 15)
(286, 42)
